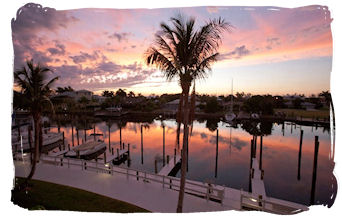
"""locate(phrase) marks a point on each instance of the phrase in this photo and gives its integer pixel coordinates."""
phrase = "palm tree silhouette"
(32, 81)
(181, 52)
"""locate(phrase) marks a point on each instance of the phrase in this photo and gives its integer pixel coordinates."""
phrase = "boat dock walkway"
(150, 191)
(118, 154)
(258, 186)
(166, 170)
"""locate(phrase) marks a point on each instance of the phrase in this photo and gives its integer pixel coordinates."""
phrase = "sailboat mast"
(231, 98)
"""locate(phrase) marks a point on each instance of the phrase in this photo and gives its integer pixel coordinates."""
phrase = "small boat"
(88, 150)
(230, 116)
(49, 140)
(255, 116)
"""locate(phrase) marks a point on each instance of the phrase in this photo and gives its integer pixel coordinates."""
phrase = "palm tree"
(32, 81)
(183, 53)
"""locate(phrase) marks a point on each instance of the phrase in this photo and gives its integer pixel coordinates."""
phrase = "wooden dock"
(167, 169)
(116, 156)
(258, 186)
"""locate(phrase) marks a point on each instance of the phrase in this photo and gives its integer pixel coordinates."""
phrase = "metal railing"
(201, 189)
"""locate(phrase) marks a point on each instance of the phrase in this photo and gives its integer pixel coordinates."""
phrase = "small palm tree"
(183, 53)
(33, 84)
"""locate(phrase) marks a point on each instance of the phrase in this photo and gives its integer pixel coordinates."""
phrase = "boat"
(50, 140)
(230, 116)
(255, 116)
(88, 150)
(110, 112)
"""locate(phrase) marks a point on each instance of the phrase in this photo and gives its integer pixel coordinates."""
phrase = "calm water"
(279, 154)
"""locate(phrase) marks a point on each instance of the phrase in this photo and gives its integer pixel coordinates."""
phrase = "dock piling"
(78, 142)
(174, 157)
(72, 135)
(163, 145)
(260, 160)
(63, 137)
(167, 159)
(314, 172)
(216, 158)
(94, 133)
(155, 167)
(300, 153)
(105, 157)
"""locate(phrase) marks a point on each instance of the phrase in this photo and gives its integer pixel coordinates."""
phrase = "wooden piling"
(163, 145)
(120, 138)
(72, 135)
(155, 166)
(117, 151)
(78, 142)
(250, 167)
(123, 145)
(104, 157)
(85, 135)
(174, 157)
(260, 160)
(142, 146)
(314, 172)
(167, 159)
(300, 153)
(252, 147)
(94, 133)
(109, 139)
(63, 138)
(217, 137)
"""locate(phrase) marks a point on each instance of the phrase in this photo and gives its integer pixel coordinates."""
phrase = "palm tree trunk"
(30, 142)
(40, 137)
(184, 150)
(179, 118)
(37, 126)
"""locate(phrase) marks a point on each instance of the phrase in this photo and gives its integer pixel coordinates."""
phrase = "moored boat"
(88, 150)
(49, 139)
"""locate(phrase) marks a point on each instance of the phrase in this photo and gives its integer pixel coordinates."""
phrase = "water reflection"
(221, 154)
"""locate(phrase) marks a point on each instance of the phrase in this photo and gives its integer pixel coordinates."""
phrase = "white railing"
(204, 190)
(252, 201)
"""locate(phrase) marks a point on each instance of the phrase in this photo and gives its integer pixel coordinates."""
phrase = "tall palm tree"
(185, 54)
(34, 85)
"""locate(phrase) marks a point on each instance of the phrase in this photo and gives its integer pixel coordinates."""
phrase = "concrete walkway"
(149, 196)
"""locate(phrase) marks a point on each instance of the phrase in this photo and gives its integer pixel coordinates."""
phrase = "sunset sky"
(270, 50)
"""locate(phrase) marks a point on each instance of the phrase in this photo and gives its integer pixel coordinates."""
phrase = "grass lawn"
(305, 114)
(50, 196)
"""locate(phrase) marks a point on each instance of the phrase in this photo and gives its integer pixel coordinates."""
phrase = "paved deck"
(150, 196)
